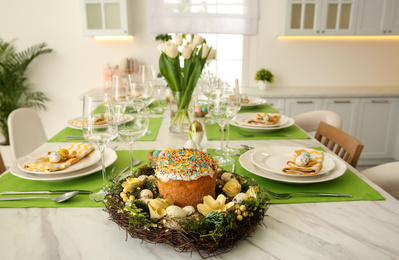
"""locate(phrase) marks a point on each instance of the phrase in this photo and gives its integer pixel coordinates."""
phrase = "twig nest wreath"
(210, 225)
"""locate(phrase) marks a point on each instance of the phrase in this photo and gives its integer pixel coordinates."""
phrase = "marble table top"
(334, 230)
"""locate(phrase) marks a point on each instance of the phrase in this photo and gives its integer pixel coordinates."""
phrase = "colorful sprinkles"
(185, 164)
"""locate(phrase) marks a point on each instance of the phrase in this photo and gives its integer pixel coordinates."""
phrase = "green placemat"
(213, 133)
(90, 182)
(155, 124)
(265, 108)
(348, 183)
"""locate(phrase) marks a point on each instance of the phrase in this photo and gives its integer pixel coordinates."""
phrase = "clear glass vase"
(181, 112)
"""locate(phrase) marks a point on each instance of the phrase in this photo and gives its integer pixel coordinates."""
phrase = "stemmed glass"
(99, 128)
(141, 83)
(133, 121)
(223, 105)
(158, 84)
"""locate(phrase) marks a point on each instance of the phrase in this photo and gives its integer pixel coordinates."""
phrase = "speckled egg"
(54, 157)
(303, 159)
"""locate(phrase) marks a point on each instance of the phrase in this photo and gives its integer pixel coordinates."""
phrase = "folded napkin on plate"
(77, 152)
(99, 119)
(265, 119)
(311, 168)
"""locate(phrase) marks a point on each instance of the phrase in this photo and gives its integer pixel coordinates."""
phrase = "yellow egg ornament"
(63, 154)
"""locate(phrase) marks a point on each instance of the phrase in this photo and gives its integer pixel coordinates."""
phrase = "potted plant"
(264, 76)
(15, 91)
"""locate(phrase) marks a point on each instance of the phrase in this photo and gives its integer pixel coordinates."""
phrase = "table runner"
(213, 132)
(349, 183)
(90, 182)
(155, 124)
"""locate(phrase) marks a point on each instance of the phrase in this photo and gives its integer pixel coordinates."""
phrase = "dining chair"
(309, 121)
(26, 131)
(386, 176)
(2, 166)
(339, 142)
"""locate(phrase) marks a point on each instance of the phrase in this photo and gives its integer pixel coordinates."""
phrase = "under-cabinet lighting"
(120, 37)
(341, 37)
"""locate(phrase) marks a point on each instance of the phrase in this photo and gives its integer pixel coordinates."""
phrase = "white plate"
(128, 118)
(110, 157)
(289, 123)
(247, 164)
(87, 161)
(243, 119)
(254, 101)
(274, 159)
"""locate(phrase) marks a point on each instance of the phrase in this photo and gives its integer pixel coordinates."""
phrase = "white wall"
(75, 65)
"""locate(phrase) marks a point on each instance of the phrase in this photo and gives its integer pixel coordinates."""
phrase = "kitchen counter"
(322, 92)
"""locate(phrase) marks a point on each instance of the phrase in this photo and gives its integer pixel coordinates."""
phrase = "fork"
(283, 196)
(251, 135)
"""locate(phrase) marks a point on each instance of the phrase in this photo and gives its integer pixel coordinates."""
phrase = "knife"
(44, 192)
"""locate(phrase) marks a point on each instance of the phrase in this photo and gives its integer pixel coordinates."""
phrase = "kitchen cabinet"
(296, 106)
(378, 17)
(277, 103)
(320, 17)
(347, 108)
(374, 121)
(377, 127)
(105, 17)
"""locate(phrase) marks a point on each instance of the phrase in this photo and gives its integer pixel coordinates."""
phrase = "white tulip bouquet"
(183, 79)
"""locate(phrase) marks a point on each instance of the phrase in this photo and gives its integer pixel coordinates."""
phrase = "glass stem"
(102, 149)
(131, 156)
(221, 138)
(227, 134)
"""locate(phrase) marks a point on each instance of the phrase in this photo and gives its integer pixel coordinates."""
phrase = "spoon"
(136, 161)
(61, 198)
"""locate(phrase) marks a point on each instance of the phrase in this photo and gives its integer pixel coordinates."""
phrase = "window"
(228, 63)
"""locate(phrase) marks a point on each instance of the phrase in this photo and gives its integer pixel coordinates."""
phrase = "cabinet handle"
(342, 101)
(304, 102)
(379, 101)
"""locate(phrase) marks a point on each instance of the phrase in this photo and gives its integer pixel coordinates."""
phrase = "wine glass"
(158, 84)
(133, 121)
(229, 150)
(223, 105)
(99, 128)
(141, 83)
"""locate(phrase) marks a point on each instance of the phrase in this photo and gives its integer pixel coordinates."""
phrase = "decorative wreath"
(210, 233)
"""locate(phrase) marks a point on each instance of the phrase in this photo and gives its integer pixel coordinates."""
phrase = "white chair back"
(309, 121)
(26, 131)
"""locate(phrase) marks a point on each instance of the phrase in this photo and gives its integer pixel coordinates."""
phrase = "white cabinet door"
(347, 108)
(104, 17)
(296, 106)
(303, 17)
(376, 127)
(277, 103)
(378, 17)
(338, 17)
(320, 17)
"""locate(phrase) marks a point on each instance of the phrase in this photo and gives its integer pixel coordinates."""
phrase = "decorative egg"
(204, 109)
(63, 154)
(189, 210)
(54, 157)
(156, 152)
(239, 197)
(197, 109)
(190, 144)
(303, 159)
(227, 176)
(176, 211)
(146, 194)
(164, 150)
